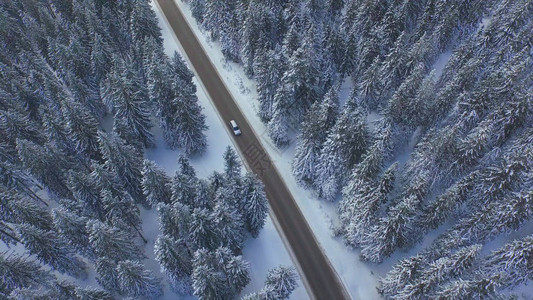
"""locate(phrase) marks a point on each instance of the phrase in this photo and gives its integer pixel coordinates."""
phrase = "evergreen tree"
(61, 290)
(409, 12)
(143, 22)
(86, 192)
(361, 202)
(203, 199)
(346, 142)
(254, 205)
(252, 296)
(369, 85)
(469, 128)
(349, 61)
(278, 125)
(121, 211)
(306, 73)
(232, 164)
(204, 231)
(185, 167)
(53, 125)
(198, 10)
(389, 30)
(236, 270)
(172, 89)
(46, 163)
(367, 54)
(301, 85)
(92, 294)
(421, 103)
(333, 43)
(390, 232)
(335, 6)
(231, 34)
(135, 281)
(470, 289)
(438, 271)
(16, 209)
(423, 52)
(505, 267)
(402, 273)
(82, 127)
(260, 34)
(106, 274)
(319, 119)
(268, 68)
(66, 290)
(372, 161)
(8, 234)
(126, 95)
(229, 272)
(184, 183)
(216, 16)
(189, 123)
(393, 68)
(159, 76)
(232, 196)
(155, 184)
(216, 181)
(291, 40)
(50, 249)
(72, 228)
(14, 177)
(282, 280)
(174, 220)
(207, 282)
(509, 213)
(180, 68)
(111, 242)
(180, 114)
(228, 225)
(124, 161)
(175, 261)
(100, 57)
(435, 213)
(401, 103)
(18, 271)
(14, 124)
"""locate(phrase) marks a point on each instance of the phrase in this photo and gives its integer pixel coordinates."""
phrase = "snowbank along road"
(320, 278)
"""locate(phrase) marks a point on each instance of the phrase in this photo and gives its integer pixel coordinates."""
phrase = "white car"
(234, 127)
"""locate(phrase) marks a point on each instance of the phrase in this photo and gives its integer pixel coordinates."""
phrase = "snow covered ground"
(263, 253)
(358, 277)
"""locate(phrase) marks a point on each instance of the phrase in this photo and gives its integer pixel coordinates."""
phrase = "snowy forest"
(83, 84)
(432, 152)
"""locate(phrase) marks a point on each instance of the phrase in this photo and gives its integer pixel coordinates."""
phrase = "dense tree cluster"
(81, 84)
(279, 284)
(203, 226)
(450, 82)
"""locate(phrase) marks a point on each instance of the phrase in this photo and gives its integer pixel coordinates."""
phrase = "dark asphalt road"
(320, 276)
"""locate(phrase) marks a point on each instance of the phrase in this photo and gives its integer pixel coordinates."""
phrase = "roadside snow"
(264, 253)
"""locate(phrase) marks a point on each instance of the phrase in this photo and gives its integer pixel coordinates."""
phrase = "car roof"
(233, 123)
